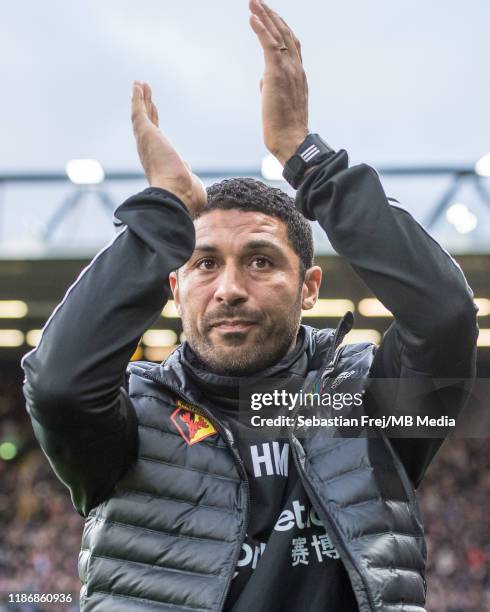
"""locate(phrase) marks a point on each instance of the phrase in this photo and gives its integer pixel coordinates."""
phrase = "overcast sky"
(392, 81)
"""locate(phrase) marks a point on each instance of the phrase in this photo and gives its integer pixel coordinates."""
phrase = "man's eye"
(206, 264)
(261, 263)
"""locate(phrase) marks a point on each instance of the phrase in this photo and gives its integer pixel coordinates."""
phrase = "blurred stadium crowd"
(40, 531)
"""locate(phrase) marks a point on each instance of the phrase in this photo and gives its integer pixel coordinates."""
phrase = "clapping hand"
(283, 86)
(162, 164)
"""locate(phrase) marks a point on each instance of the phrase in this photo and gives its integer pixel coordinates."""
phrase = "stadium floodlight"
(482, 166)
(483, 338)
(85, 171)
(13, 309)
(271, 169)
(170, 310)
(11, 338)
(483, 306)
(362, 335)
(33, 336)
(371, 307)
(158, 353)
(160, 337)
(329, 308)
(456, 212)
(463, 220)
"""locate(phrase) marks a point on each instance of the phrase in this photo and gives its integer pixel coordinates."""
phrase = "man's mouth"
(233, 325)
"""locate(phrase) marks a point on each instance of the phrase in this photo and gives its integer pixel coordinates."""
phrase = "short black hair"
(248, 194)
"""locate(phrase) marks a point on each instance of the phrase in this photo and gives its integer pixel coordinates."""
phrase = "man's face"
(240, 294)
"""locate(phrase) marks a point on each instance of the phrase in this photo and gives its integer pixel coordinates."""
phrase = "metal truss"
(457, 177)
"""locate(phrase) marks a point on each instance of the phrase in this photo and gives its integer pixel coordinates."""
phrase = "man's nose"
(231, 287)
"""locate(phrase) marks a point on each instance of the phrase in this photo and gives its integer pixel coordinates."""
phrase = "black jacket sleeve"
(434, 333)
(75, 380)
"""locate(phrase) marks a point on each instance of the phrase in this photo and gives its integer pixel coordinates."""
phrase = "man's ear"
(311, 287)
(174, 286)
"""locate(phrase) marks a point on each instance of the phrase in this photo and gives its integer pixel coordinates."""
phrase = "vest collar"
(320, 345)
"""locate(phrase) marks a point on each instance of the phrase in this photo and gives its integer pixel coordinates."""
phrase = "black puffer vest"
(170, 535)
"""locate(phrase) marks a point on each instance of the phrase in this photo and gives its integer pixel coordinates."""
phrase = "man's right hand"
(162, 164)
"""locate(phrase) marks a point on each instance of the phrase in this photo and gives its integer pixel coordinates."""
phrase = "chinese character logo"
(322, 544)
(192, 426)
(323, 547)
(299, 551)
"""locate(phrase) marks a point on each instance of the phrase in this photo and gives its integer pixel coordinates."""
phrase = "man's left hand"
(284, 87)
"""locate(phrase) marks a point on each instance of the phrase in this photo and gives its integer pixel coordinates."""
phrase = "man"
(184, 509)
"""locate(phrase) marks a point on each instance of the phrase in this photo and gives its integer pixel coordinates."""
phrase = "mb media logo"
(192, 426)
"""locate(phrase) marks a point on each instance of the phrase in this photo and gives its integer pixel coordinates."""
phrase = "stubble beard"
(271, 344)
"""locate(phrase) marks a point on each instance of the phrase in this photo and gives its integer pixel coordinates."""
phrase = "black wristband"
(310, 152)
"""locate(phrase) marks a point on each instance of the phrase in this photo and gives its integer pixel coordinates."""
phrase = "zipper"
(329, 369)
(317, 504)
(227, 435)
(333, 358)
(344, 326)
(342, 330)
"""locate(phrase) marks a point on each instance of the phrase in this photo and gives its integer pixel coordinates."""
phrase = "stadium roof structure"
(52, 224)
(69, 214)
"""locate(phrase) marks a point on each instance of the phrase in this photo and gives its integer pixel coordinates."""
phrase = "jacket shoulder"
(138, 367)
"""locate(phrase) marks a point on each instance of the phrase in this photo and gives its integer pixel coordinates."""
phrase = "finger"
(269, 44)
(285, 31)
(279, 23)
(154, 114)
(150, 105)
(138, 107)
(257, 8)
(147, 98)
(294, 39)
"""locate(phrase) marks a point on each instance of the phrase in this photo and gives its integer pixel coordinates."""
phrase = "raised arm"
(434, 333)
(75, 379)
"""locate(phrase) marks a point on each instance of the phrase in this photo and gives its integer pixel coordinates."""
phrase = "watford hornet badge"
(192, 427)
